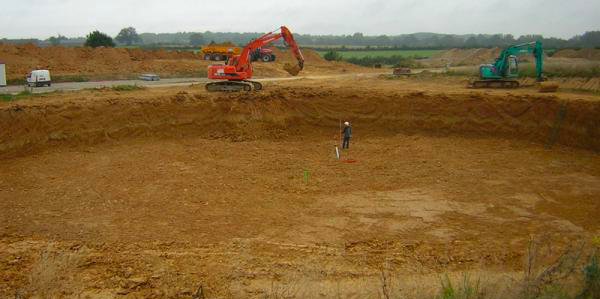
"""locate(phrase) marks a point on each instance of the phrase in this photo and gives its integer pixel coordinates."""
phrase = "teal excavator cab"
(505, 70)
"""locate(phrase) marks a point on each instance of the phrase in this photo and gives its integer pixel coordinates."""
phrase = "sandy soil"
(153, 193)
(121, 63)
(591, 54)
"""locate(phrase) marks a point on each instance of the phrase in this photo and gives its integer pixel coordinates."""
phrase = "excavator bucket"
(292, 69)
(548, 86)
(289, 40)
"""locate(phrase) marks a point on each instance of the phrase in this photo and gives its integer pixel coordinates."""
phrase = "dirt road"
(71, 86)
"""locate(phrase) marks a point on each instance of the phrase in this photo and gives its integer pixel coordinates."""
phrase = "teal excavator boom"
(505, 70)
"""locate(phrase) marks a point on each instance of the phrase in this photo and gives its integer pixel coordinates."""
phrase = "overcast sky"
(552, 18)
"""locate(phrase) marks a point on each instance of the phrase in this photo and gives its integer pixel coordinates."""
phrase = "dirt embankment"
(590, 54)
(314, 63)
(575, 84)
(95, 117)
(460, 57)
(94, 62)
(125, 214)
(120, 63)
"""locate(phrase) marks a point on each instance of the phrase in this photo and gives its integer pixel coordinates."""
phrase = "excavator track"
(230, 86)
(255, 84)
(494, 84)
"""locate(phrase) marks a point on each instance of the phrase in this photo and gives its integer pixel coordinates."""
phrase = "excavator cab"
(487, 71)
(505, 70)
(235, 74)
(510, 70)
(513, 67)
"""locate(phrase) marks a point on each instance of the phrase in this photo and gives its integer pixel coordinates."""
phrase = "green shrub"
(395, 61)
(332, 56)
(99, 39)
(20, 81)
(467, 290)
(7, 97)
(591, 289)
(70, 78)
(127, 87)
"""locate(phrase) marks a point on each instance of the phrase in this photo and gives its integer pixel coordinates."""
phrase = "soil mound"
(314, 64)
(576, 84)
(458, 57)
(20, 59)
(310, 56)
(591, 54)
(119, 63)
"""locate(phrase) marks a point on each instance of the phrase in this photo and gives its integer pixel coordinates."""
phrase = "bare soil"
(591, 54)
(120, 63)
(153, 193)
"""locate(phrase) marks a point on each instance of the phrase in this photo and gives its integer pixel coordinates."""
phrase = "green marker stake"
(306, 176)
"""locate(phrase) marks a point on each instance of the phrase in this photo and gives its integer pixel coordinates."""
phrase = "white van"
(39, 78)
(2, 74)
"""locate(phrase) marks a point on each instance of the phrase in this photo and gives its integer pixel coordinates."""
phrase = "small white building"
(2, 74)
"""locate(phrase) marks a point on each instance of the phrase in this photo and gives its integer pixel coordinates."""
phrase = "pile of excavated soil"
(591, 54)
(95, 62)
(458, 57)
(575, 84)
(310, 56)
(117, 63)
(314, 62)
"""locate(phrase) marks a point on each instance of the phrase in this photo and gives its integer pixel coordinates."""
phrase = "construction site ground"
(155, 193)
(92, 64)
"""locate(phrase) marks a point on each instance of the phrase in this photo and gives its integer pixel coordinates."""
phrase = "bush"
(591, 272)
(126, 87)
(332, 56)
(467, 290)
(99, 39)
(395, 61)
(7, 97)
(128, 36)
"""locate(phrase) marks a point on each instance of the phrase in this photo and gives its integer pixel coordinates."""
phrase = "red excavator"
(238, 70)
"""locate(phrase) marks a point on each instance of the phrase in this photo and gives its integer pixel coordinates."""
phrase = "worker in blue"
(346, 133)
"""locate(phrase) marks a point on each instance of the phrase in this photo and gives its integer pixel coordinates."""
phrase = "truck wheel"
(206, 56)
(272, 57)
(49, 84)
(213, 57)
(266, 58)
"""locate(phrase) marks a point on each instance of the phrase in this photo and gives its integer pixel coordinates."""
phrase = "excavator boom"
(504, 71)
(238, 70)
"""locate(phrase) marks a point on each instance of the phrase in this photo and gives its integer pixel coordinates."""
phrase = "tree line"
(129, 36)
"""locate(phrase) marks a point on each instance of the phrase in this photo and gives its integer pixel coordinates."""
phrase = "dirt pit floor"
(154, 193)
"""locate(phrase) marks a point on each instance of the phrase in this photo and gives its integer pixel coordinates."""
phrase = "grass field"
(385, 53)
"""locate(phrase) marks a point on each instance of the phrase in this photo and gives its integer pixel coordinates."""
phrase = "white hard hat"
(346, 123)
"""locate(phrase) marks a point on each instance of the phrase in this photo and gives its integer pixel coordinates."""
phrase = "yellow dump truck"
(220, 51)
(226, 50)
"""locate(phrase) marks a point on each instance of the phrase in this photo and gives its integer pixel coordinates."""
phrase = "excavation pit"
(188, 181)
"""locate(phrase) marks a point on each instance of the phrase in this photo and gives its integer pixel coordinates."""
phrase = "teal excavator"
(505, 70)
